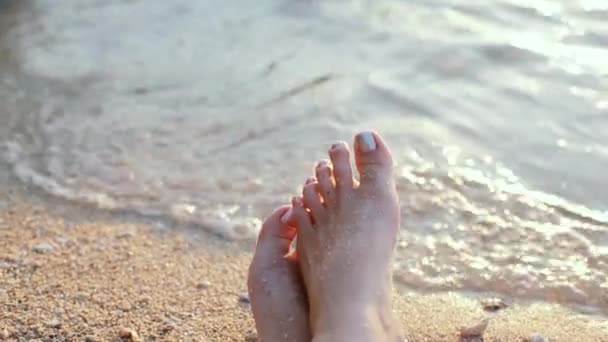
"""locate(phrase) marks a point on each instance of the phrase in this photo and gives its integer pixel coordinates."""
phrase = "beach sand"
(63, 279)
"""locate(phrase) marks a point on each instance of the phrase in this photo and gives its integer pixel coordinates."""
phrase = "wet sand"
(68, 280)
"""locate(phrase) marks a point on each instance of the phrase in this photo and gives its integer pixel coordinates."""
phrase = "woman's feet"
(346, 235)
(278, 296)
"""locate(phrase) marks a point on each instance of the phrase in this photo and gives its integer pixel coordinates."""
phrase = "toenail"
(337, 145)
(323, 165)
(366, 142)
(285, 218)
(310, 180)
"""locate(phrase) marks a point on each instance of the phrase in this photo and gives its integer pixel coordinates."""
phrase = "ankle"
(357, 323)
(361, 333)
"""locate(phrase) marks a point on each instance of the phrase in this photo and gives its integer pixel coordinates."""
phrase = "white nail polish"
(285, 218)
(367, 142)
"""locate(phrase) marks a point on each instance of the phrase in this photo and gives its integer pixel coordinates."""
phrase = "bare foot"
(346, 235)
(278, 296)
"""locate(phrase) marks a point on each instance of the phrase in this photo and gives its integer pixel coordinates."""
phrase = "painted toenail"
(322, 163)
(367, 142)
(298, 202)
(285, 218)
(337, 146)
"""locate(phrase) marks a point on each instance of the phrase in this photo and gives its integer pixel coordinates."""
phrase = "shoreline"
(100, 280)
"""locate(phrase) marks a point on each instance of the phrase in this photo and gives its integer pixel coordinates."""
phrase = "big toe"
(275, 238)
(373, 159)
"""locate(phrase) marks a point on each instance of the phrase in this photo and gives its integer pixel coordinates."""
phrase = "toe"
(312, 201)
(373, 159)
(325, 181)
(301, 218)
(275, 237)
(277, 293)
(310, 180)
(340, 159)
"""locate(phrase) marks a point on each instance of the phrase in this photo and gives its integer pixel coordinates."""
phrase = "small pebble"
(125, 306)
(125, 235)
(251, 337)
(43, 248)
(130, 334)
(244, 298)
(90, 338)
(493, 304)
(5, 334)
(537, 338)
(168, 326)
(65, 242)
(476, 330)
(54, 323)
(203, 285)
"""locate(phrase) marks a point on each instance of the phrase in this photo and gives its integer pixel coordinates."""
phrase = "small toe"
(340, 159)
(312, 201)
(373, 159)
(275, 237)
(325, 181)
(301, 218)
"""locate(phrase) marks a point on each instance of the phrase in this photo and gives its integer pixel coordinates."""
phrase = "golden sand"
(62, 280)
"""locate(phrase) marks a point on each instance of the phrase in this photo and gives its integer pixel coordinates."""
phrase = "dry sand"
(62, 280)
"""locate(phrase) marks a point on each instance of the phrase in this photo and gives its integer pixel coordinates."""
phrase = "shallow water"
(212, 112)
